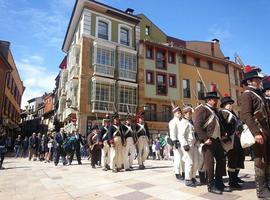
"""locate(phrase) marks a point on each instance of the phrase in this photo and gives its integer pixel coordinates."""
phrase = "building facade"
(101, 46)
(12, 93)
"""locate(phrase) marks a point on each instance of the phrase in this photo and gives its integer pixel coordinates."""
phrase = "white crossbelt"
(128, 129)
(141, 128)
(116, 131)
(105, 134)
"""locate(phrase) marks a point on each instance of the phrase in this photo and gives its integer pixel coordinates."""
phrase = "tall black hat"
(225, 100)
(211, 95)
(250, 73)
(266, 83)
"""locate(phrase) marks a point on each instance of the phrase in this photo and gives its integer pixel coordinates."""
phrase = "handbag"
(246, 139)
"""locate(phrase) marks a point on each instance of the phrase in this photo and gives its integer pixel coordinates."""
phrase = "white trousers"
(105, 154)
(129, 152)
(191, 159)
(178, 163)
(116, 153)
(143, 149)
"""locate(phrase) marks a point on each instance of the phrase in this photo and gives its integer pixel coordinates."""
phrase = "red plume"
(247, 69)
(268, 78)
(226, 95)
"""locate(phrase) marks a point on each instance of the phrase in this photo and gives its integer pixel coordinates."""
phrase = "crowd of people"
(201, 140)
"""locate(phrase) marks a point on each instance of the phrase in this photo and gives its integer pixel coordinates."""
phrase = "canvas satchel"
(246, 139)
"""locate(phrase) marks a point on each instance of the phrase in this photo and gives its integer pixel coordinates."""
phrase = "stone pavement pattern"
(37, 180)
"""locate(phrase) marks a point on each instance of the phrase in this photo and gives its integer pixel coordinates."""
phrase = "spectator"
(33, 146)
(24, 147)
(158, 147)
(154, 150)
(43, 147)
(18, 146)
(3, 148)
(48, 153)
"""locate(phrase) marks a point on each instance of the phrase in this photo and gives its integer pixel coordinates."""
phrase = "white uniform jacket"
(186, 133)
(174, 128)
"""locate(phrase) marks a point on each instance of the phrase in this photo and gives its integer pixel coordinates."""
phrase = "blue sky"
(36, 30)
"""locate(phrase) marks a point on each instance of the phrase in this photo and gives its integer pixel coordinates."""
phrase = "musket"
(196, 96)
(200, 76)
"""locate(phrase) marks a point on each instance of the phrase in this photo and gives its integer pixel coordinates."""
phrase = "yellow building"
(12, 93)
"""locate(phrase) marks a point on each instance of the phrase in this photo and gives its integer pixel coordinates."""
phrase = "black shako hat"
(225, 100)
(211, 95)
(250, 73)
(266, 83)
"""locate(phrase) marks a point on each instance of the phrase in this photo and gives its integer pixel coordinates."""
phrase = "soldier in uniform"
(129, 149)
(189, 146)
(93, 145)
(104, 143)
(207, 126)
(116, 140)
(256, 116)
(142, 138)
(232, 126)
(175, 137)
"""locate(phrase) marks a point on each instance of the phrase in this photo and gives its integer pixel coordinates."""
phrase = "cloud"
(221, 32)
(36, 78)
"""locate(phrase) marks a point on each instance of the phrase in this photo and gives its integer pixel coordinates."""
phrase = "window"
(150, 77)
(149, 52)
(102, 96)
(103, 30)
(124, 36)
(127, 98)
(171, 57)
(104, 61)
(147, 30)
(127, 65)
(172, 80)
(213, 87)
(8, 80)
(237, 97)
(186, 88)
(196, 62)
(161, 84)
(165, 115)
(183, 58)
(210, 65)
(151, 113)
(200, 90)
(160, 59)
(236, 79)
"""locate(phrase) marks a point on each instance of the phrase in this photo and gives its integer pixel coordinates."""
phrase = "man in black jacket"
(33, 146)
(59, 139)
(3, 148)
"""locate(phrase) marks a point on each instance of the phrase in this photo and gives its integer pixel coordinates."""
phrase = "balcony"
(126, 108)
(127, 75)
(104, 70)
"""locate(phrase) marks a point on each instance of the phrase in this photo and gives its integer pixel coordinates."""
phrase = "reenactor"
(94, 147)
(255, 115)
(174, 129)
(104, 143)
(142, 139)
(129, 149)
(189, 145)
(232, 127)
(207, 126)
(116, 140)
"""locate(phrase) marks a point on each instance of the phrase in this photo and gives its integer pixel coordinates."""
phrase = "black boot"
(220, 185)
(183, 176)
(233, 183)
(213, 189)
(189, 183)
(237, 177)
(261, 184)
(177, 176)
(202, 176)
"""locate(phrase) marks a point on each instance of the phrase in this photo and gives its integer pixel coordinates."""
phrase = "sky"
(36, 30)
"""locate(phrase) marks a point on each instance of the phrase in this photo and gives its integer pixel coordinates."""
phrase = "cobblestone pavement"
(23, 179)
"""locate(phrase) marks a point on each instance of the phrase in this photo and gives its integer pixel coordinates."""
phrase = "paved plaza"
(37, 180)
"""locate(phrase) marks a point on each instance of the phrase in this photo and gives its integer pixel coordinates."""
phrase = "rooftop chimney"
(215, 40)
(227, 58)
(129, 11)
